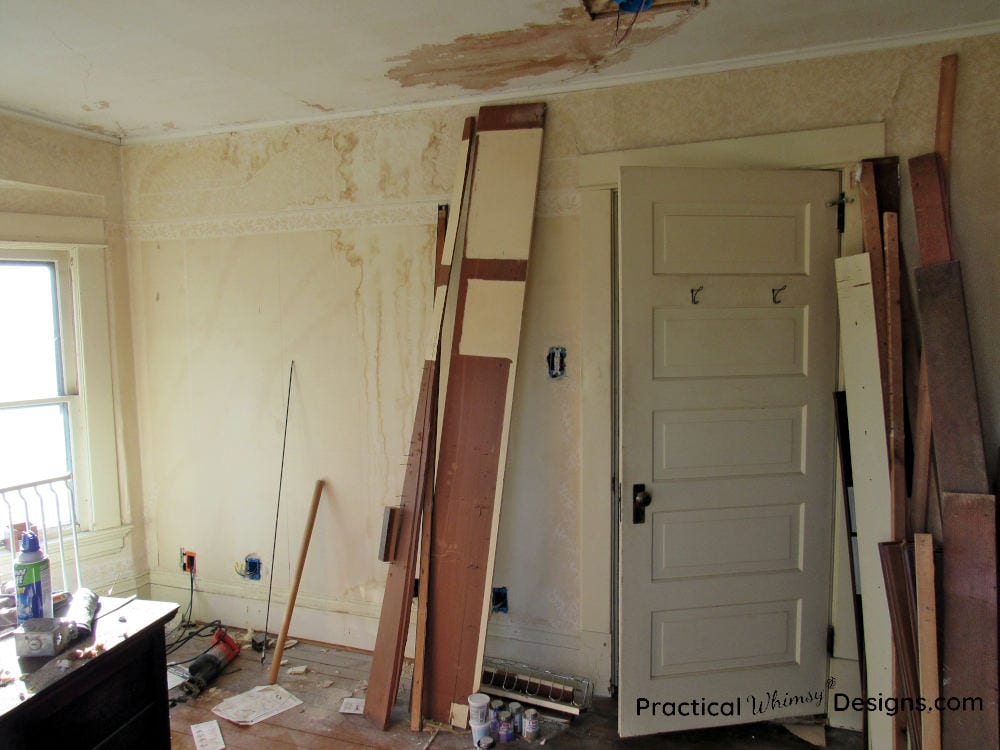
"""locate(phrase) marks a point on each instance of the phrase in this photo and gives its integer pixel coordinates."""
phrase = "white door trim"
(598, 177)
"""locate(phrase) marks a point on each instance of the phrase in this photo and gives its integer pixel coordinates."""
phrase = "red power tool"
(209, 665)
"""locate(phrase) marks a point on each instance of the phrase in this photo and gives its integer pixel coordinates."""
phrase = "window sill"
(92, 544)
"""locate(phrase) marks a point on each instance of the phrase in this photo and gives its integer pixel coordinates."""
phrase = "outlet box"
(188, 563)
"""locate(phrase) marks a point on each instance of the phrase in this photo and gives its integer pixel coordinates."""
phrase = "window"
(56, 409)
(34, 418)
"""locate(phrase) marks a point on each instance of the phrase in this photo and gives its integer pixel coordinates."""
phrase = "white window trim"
(83, 298)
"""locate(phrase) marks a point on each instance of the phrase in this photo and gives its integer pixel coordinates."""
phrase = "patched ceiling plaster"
(163, 68)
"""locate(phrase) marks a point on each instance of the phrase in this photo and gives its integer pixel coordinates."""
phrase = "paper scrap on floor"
(353, 706)
(208, 736)
(256, 704)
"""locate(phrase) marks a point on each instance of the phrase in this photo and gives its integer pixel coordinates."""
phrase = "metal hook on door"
(776, 292)
(695, 293)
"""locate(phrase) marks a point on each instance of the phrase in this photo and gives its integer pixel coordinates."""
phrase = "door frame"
(827, 148)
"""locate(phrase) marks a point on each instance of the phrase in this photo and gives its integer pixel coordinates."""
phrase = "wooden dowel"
(310, 522)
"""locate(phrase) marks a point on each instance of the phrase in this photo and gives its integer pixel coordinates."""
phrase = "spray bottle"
(33, 580)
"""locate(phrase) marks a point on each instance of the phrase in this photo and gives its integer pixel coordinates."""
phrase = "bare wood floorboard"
(333, 674)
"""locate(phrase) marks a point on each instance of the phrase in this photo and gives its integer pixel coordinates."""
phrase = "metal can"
(496, 706)
(530, 725)
(517, 711)
(505, 727)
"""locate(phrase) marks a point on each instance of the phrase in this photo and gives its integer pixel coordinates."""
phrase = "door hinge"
(830, 640)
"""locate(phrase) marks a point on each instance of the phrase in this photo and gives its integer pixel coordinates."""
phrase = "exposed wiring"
(185, 621)
(635, 7)
(104, 613)
(205, 631)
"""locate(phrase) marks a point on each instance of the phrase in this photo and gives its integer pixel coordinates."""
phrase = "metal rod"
(73, 525)
(36, 483)
(41, 511)
(277, 510)
(10, 530)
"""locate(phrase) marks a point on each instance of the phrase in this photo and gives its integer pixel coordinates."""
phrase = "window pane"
(33, 443)
(29, 334)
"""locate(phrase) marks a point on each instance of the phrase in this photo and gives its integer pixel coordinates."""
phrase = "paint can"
(530, 725)
(517, 711)
(479, 708)
(479, 731)
(496, 706)
(486, 743)
(505, 727)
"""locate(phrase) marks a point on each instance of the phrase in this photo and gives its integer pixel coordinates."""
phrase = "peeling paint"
(574, 43)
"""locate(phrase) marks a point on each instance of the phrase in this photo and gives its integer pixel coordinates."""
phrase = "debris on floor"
(256, 705)
(352, 706)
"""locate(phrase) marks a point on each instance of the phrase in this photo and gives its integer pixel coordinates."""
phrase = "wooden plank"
(847, 482)
(476, 418)
(394, 619)
(969, 622)
(930, 209)
(958, 436)
(901, 595)
(423, 591)
(920, 486)
(418, 483)
(894, 343)
(927, 639)
(442, 277)
(870, 462)
(871, 240)
(947, 81)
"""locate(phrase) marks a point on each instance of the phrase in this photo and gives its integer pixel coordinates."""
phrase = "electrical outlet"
(188, 563)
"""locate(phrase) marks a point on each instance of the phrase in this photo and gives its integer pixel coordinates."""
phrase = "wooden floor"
(333, 674)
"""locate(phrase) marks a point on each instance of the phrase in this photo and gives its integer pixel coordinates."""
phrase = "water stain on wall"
(574, 44)
(344, 145)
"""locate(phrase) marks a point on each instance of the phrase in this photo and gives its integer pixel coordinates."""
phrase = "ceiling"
(166, 68)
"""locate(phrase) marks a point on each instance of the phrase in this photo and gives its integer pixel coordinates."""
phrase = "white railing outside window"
(48, 507)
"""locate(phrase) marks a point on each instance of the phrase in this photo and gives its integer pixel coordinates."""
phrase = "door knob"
(640, 501)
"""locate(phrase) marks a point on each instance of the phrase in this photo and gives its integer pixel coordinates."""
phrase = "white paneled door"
(728, 365)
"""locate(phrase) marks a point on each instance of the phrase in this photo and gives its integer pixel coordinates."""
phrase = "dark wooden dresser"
(117, 699)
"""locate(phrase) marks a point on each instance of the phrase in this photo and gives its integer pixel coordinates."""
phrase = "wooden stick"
(310, 522)
(946, 110)
(894, 345)
(930, 685)
(420, 648)
(921, 454)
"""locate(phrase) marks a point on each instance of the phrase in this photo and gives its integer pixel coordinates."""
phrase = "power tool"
(210, 664)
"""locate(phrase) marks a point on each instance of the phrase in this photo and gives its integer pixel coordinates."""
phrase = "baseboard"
(584, 654)
(244, 605)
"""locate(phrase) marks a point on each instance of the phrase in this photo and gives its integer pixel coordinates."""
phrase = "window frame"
(84, 339)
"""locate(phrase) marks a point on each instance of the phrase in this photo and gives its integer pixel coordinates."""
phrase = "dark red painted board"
(394, 620)
(968, 607)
